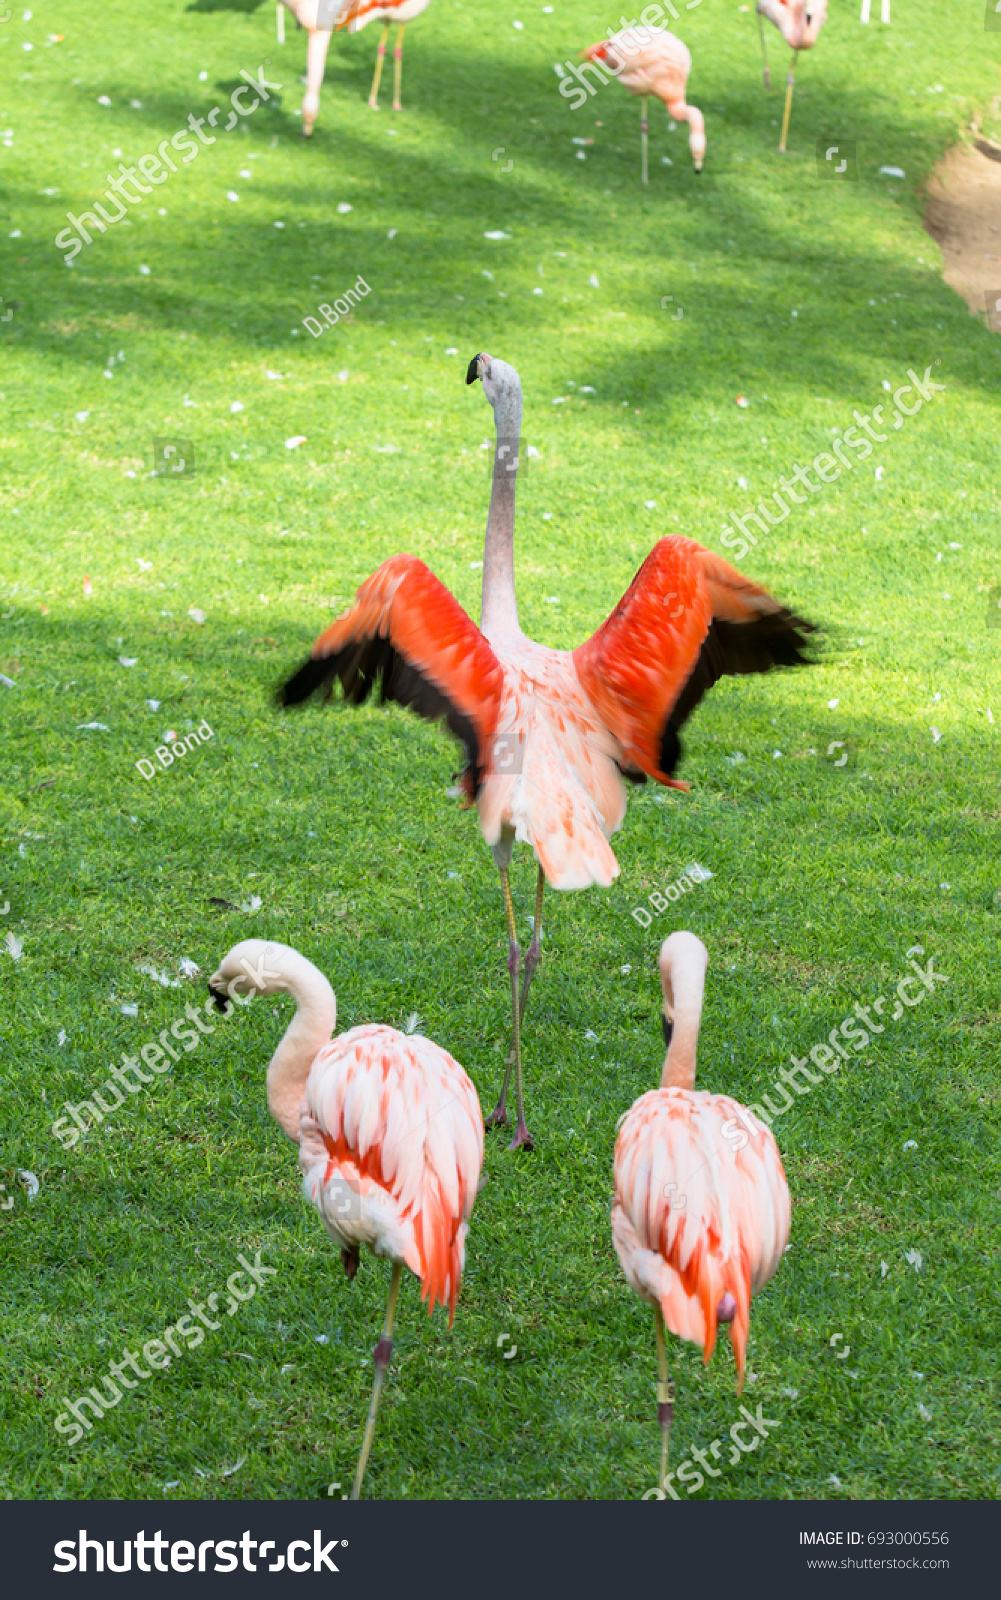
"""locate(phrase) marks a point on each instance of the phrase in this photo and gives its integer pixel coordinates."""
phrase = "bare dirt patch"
(963, 216)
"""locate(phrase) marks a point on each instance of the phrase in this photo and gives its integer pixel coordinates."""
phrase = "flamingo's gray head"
(500, 381)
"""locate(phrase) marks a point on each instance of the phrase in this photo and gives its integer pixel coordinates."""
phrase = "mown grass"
(823, 877)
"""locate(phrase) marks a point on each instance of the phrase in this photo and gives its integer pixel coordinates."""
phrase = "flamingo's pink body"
(695, 1218)
(391, 1146)
(798, 21)
(701, 1214)
(652, 61)
(389, 1130)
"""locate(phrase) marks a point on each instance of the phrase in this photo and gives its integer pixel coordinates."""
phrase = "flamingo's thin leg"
(534, 951)
(280, 23)
(381, 1356)
(380, 57)
(764, 53)
(316, 60)
(644, 141)
(398, 69)
(789, 88)
(665, 1396)
(498, 1116)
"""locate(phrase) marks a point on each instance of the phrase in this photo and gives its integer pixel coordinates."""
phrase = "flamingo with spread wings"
(550, 734)
(701, 1214)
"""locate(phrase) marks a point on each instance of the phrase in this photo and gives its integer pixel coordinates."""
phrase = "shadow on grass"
(720, 220)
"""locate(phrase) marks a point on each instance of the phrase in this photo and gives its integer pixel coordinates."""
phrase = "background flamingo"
(318, 17)
(799, 22)
(389, 1130)
(651, 61)
(358, 14)
(549, 734)
(700, 1219)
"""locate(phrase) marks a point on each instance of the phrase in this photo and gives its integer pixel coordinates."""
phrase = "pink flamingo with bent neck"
(701, 1214)
(389, 1130)
(799, 22)
(651, 61)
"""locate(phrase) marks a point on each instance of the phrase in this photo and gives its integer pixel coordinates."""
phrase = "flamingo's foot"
(373, 104)
(397, 106)
(522, 1139)
(497, 1117)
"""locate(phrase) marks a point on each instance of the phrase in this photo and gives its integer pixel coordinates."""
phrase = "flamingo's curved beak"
(474, 371)
(220, 997)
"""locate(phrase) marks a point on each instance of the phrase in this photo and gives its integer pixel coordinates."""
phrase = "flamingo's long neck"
(688, 984)
(310, 1029)
(499, 613)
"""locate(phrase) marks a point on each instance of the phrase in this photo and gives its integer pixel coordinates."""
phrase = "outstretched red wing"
(407, 633)
(687, 618)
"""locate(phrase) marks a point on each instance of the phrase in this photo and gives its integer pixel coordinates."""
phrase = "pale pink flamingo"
(701, 1213)
(357, 14)
(550, 734)
(318, 18)
(389, 1130)
(651, 61)
(799, 22)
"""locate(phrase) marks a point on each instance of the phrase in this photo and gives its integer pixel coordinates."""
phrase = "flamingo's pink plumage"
(700, 1219)
(695, 1217)
(391, 1124)
(653, 61)
(568, 723)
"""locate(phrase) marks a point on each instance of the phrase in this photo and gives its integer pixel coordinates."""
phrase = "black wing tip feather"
(314, 673)
(370, 662)
(778, 639)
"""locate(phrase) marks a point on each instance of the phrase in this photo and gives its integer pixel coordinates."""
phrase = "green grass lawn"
(803, 295)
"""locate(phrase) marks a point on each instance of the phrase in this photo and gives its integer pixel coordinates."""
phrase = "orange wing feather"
(687, 618)
(406, 631)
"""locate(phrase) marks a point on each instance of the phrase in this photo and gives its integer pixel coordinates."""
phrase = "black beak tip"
(473, 370)
(221, 999)
(668, 1028)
